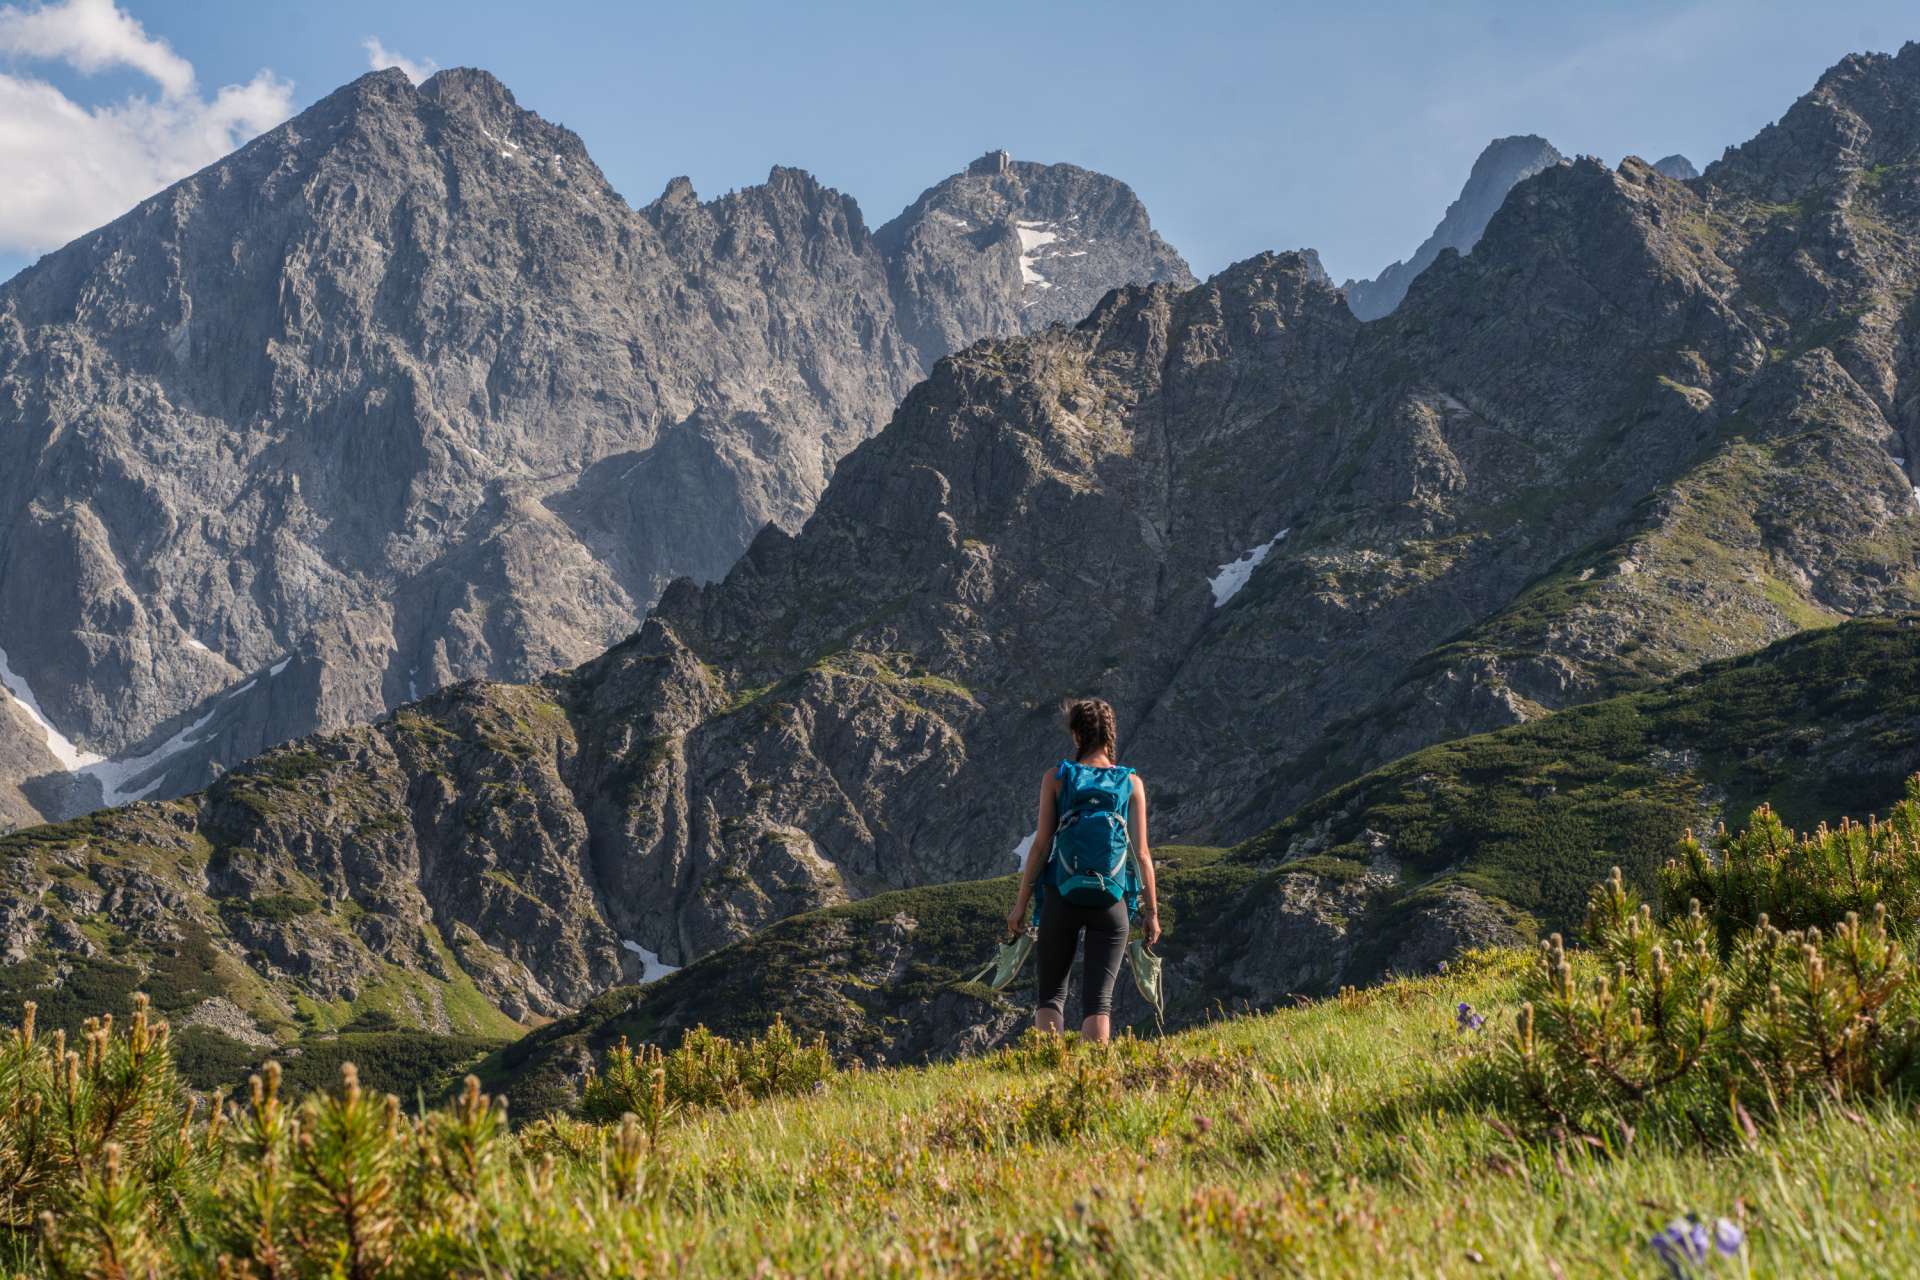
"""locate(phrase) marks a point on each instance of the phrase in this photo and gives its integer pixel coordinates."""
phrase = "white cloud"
(66, 168)
(92, 36)
(379, 58)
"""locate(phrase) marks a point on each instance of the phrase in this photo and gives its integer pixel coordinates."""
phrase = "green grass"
(278, 906)
(1342, 1139)
(1361, 1134)
(1351, 1137)
(745, 697)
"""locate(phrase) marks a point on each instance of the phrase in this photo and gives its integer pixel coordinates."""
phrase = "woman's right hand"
(1016, 919)
(1152, 925)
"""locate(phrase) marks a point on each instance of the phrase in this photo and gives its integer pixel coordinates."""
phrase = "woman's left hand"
(1015, 921)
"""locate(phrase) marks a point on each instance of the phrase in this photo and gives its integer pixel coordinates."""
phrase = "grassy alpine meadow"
(1363, 1135)
(1694, 1093)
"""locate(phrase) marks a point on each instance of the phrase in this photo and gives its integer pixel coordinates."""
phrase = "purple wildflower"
(1466, 1019)
(1688, 1244)
(1684, 1245)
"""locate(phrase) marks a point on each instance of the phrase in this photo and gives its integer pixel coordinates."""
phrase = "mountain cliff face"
(403, 393)
(1677, 167)
(1644, 425)
(1505, 162)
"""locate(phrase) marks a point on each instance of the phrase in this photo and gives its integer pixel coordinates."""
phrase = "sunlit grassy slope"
(1337, 1139)
(1343, 1138)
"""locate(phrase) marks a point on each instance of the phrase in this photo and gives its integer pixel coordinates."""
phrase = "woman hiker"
(1091, 845)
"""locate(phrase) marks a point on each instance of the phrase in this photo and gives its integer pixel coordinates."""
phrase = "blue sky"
(1245, 126)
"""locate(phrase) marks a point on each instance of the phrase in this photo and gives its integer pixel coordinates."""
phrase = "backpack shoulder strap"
(1134, 886)
(1069, 774)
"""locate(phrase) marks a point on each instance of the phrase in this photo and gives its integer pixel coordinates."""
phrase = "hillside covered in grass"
(1821, 725)
(1495, 838)
(1357, 1136)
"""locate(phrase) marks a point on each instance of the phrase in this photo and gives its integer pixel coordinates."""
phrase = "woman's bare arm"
(1037, 851)
(1137, 822)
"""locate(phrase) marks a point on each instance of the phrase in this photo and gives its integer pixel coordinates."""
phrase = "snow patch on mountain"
(1233, 575)
(59, 745)
(651, 967)
(1034, 236)
(116, 776)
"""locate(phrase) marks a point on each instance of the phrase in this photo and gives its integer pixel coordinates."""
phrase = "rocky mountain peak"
(1012, 246)
(679, 194)
(1283, 280)
(1312, 269)
(389, 84)
(368, 361)
(465, 86)
(787, 180)
(384, 99)
(1499, 167)
(1491, 175)
(507, 131)
(1864, 112)
(790, 210)
(1677, 167)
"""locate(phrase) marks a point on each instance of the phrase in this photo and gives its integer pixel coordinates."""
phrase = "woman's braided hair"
(1091, 722)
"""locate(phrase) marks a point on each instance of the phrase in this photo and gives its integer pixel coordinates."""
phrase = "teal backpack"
(1092, 860)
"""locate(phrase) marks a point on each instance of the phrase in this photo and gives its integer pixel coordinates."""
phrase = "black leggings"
(1060, 926)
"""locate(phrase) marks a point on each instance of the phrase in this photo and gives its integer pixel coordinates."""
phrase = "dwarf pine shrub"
(703, 1071)
(1704, 1015)
(1802, 881)
(106, 1165)
(81, 1124)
